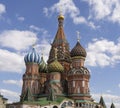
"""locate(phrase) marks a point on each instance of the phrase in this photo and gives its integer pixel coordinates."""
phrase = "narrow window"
(73, 83)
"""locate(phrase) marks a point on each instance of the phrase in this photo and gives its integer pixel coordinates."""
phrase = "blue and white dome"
(32, 57)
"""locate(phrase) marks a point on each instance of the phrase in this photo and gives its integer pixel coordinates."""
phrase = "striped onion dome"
(32, 57)
(42, 66)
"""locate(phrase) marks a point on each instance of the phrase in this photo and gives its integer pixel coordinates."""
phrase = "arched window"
(70, 103)
(83, 83)
(78, 90)
(73, 83)
(55, 107)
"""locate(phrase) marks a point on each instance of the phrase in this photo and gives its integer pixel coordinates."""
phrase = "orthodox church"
(62, 82)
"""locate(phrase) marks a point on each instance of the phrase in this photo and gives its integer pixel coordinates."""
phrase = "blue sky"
(25, 22)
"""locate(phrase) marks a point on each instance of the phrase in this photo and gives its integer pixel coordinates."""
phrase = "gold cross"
(78, 36)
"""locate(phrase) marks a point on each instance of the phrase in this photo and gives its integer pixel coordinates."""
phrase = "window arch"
(55, 107)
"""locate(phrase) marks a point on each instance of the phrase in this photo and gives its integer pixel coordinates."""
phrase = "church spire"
(102, 102)
(112, 105)
(60, 43)
(62, 46)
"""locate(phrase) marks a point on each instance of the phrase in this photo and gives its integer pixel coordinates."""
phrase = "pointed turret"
(60, 42)
(112, 105)
(102, 103)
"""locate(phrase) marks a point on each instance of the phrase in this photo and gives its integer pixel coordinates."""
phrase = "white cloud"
(44, 43)
(13, 82)
(108, 98)
(20, 40)
(103, 53)
(10, 95)
(45, 11)
(44, 47)
(109, 91)
(20, 18)
(16, 39)
(2, 9)
(92, 25)
(33, 27)
(119, 85)
(68, 8)
(11, 62)
(105, 9)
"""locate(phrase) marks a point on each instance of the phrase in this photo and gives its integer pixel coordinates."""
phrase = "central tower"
(63, 53)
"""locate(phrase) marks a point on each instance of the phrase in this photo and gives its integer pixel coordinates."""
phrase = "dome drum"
(81, 70)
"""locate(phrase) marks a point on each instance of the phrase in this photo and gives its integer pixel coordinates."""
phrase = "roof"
(43, 101)
(112, 106)
(102, 102)
(78, 50)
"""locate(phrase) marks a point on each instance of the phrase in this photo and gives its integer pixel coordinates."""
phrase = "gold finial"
(33, 45)
(42, 51)
(78, 36)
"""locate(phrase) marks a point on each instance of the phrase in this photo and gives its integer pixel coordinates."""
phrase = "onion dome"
(78, 50)
(55, 66)
(42, 66)
(32, 57)
(60, 17)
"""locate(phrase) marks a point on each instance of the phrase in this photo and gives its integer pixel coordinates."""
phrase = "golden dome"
(61, 17)
(55, 66)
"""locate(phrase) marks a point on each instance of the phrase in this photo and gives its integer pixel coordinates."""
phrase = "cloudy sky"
(25, 22)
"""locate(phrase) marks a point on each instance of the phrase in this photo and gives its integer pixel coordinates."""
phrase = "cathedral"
(62, 82)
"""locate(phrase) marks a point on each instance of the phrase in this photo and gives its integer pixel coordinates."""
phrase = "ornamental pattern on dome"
(81, 70)
(55, 66)
(78, 50)
(32, 57)
(42, 66)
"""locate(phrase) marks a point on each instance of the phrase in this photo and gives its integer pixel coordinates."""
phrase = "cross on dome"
(78, 36)
(33, 45)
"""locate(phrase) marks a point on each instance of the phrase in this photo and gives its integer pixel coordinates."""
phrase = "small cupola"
(42, 65)
(78, 50)
(55, 66)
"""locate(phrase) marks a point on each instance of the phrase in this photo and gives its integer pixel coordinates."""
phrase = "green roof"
(44, 101)
(112, 106)
(102, 102)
